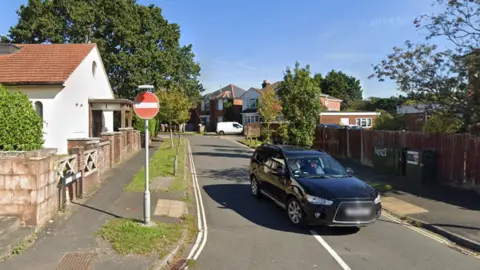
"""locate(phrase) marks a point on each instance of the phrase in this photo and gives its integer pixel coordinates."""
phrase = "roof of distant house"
(276, 86)
(41, 63)
(228, 92)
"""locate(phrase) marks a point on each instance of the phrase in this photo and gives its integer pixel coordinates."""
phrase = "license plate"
(358, 212)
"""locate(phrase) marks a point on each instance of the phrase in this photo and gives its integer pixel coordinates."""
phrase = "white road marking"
(418, 230)
(330, 250)
(201, 218)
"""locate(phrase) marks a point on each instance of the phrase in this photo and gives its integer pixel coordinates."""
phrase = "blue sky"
(244, 42)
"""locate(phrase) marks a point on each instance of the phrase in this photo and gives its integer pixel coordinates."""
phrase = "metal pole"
(146, 206)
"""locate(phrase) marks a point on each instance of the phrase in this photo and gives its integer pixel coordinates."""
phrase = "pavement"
(72, 243)
(449, 211)
(244, 233)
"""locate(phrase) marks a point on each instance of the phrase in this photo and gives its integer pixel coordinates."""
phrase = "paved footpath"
(244, 233)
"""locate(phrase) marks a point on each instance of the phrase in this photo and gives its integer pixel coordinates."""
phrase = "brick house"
(212, 109)
(362, 119)
(329, 103)
(68, 87)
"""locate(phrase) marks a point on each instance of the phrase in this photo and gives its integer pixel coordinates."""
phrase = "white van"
(229, 128)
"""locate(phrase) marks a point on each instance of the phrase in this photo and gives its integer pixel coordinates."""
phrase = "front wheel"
(295, 212)
(221, 132)
(255, 188)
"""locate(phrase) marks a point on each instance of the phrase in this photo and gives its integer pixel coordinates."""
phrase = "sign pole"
(146, 106)
(146, 202)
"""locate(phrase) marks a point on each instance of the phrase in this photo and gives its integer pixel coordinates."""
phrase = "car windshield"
(316, 167)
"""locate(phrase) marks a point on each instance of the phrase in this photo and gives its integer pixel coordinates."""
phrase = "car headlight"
(319, 201)
(377, 199)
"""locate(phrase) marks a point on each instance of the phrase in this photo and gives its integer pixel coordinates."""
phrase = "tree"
(442, 122)
(385, 121)
(21, 126)
(300, 101)
(441, 77)
(138, 45)
(269, 109)
(340, 85)
(174, 108)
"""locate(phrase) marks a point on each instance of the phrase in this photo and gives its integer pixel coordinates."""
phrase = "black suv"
(313, 187)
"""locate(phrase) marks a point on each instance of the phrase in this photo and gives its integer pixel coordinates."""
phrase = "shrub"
(442, 123)
(386, 121)
(140, 126)
(20, 125)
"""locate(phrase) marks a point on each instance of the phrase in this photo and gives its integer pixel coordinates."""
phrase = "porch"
(97, 119)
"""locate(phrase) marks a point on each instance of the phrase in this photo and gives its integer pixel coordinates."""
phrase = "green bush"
(139, 125)
(21, 128)
(443, 123)
(388, 122)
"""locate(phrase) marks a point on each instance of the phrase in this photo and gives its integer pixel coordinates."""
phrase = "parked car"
(312, 187)
(330, 125)
(229, 128)
(353, 127)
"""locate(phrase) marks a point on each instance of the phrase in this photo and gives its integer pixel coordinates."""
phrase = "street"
(245, 233)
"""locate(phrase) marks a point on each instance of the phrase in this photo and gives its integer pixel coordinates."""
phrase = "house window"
(39, 108)
(364, 122)
(207, 105)
(94, 69)
(220, 119)
(251, 119)
(252, 103)
(220, 105)
(202, 106)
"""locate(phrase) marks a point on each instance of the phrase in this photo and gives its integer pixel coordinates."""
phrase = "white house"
(68, 86)
(249, 106)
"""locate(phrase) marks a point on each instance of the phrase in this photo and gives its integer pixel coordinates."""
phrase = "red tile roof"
(42, 63)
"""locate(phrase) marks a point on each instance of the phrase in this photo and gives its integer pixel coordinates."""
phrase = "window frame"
(366, 120)
(220, 105)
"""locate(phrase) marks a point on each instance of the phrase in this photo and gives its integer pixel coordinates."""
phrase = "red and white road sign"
(146, 105)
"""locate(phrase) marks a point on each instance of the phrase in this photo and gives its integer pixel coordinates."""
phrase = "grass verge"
(251, 143)
(381, 187)
(130, 237)
(161, 164)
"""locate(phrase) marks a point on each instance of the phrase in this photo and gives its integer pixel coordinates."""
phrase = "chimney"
(265, 83)
(8, 48)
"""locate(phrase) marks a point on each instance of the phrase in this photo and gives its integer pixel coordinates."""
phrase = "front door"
(97, 125)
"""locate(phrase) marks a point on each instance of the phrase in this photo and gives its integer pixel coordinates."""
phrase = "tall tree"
(342, 86)
(441, 77)
(269, 109)
(300, 100)
(174, 108)
(138, 45)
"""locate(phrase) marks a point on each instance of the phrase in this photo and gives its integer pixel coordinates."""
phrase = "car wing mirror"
(349, 171)
(280, 171)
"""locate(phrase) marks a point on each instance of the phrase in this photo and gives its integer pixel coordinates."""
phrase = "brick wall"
(27, 185)
(30, 182)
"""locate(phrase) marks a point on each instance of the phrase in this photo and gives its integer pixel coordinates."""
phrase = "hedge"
(21, 128)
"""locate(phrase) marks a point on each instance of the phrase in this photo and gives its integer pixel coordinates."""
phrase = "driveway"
(245, 233)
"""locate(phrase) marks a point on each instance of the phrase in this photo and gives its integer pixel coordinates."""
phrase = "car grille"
(343, 215)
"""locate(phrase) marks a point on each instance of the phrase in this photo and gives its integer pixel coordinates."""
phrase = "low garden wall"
(31, 182)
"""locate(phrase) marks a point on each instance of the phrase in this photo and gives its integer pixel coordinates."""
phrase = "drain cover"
(76, 261)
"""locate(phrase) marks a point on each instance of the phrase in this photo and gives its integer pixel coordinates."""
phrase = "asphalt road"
(244, 233)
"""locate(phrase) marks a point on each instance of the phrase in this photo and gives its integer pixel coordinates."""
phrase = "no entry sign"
(146, 105)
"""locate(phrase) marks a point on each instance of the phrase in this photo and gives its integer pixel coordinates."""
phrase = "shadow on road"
(237, 197)
(238, 174)
(228, 155)
(222, 146)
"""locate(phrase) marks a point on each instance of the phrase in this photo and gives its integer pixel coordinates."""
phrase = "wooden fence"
(458, 155)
